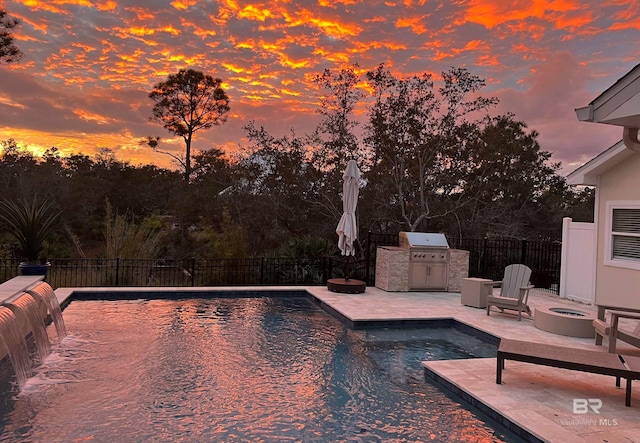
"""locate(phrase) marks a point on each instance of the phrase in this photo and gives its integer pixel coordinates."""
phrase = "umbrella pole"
(347, 271)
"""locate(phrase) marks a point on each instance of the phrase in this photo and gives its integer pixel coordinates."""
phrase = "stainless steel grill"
(428, 260)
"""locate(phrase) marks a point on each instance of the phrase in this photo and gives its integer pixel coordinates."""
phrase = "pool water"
(266, 369)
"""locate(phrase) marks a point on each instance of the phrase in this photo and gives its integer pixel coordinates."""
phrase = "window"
(622, 235)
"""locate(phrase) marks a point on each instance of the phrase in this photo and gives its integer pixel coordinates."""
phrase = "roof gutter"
(630, 138)
(585, 114)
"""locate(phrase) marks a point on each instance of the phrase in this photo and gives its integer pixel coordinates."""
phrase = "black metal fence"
(191, 272)
(487, 259)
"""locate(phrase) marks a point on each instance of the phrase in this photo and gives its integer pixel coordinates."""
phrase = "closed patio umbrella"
(347, 230)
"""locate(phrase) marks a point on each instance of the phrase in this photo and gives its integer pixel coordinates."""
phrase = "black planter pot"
(26, 268)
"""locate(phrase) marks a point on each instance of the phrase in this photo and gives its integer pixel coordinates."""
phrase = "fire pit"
(565, 321)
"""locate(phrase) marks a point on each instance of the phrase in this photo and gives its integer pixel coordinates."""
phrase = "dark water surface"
(236, 370)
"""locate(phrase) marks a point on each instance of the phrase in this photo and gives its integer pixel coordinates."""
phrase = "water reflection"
(269, 369)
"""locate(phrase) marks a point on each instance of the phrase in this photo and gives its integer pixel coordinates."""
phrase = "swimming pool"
(239, 369)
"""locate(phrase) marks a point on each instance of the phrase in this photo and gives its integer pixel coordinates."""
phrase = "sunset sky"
(89, 66)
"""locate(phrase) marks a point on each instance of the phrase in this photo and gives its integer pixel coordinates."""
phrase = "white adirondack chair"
(514, 290)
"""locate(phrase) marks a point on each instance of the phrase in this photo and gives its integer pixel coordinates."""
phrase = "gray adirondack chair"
(514, 290)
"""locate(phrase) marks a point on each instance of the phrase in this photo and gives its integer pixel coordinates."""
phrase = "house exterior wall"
(615, 286)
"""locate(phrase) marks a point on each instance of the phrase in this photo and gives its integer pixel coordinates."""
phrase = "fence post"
(325, 261)
(523, 251)
(482, 259)
(117, 271)
(330, 272)
(368, 258)
(193, 272)
(261, 270)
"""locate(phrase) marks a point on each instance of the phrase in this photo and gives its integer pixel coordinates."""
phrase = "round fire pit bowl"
(565, 321)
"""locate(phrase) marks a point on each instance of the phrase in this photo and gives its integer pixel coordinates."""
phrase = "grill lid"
(423, 240)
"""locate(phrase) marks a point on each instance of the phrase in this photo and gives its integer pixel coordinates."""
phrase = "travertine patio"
(536, 398)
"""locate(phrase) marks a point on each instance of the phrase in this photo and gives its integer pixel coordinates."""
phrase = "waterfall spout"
(45, 292)
(31, 314)
(12, 340)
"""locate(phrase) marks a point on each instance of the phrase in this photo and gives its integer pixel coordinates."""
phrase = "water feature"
(12, 343)
(30, 313)
(45, 292)
(238, 369)
(23, 316)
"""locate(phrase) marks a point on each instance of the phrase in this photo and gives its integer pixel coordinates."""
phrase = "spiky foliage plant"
(29, 222)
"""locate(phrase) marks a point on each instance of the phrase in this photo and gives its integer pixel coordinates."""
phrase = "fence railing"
(487, 259)
(191, 272)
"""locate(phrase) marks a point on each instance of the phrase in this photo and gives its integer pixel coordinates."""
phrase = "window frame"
(609, 234)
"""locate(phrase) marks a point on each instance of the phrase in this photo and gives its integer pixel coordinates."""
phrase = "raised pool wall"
(13, 290)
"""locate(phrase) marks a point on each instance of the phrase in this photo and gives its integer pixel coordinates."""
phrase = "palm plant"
(29, 222)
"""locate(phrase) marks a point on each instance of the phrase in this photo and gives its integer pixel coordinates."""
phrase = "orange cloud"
(45, 6)
(183, 4)
(108, 5)
(332, 28)
(473, 45)
(6, 101)
(287, 62)
(416, 24)
(561, 13)
(491, 13)
(89, 116)
(141, 13)
(236, 69)
(334, 3)
(269, 51)
(140, 30)
(254, 13)
(626, 18)
(336, 29)
(339, 58)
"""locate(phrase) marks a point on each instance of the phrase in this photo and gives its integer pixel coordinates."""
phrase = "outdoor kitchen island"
(421, 262)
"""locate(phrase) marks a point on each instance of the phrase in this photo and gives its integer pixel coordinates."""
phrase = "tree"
(512, 188)
(419, 139)
(274, 189)
(9, 52)
(335, 141)
(184, 104)
(337, 107)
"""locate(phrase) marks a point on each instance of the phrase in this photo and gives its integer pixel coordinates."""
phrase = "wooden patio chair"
(514, 290)
(585, 360)
(615, 333)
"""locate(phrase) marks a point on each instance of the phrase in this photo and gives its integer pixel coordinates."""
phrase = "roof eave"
(587, 174)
